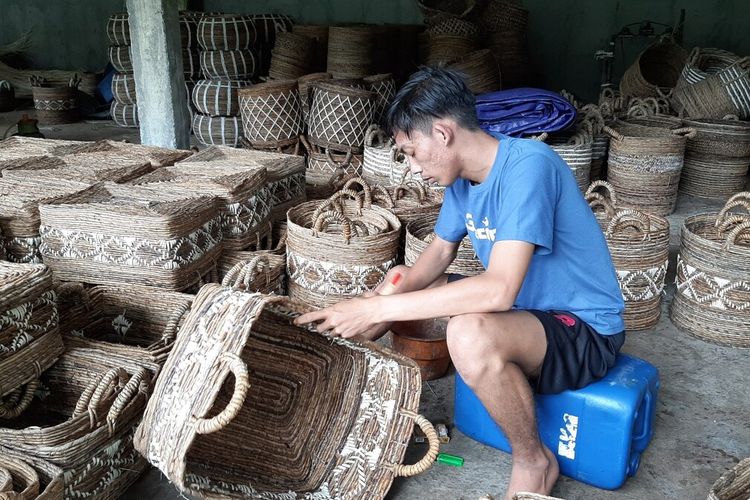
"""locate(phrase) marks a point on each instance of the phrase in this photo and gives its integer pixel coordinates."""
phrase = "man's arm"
(430, 265)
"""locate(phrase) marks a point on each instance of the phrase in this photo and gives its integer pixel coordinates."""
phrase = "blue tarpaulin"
(524, 111)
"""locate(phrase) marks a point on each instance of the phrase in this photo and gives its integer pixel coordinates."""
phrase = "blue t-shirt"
(531, 195)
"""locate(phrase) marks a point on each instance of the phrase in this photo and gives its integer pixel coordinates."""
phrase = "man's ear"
(444, 130)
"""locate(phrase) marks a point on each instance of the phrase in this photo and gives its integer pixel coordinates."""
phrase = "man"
(548, 307)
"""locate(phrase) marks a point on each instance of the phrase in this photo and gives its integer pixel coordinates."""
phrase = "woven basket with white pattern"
(271, 114)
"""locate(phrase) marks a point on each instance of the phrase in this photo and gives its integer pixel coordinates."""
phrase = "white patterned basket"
(577, 154)
(339, 116)
(383, 164)
(228, 64)
(384, 88)
(325, 170)
(218, 97)
(191, 64)
(217, 130)
(226, 32)
(118, 29)
(124, 115)
(271, 114)
(111, 234)
(120, 58)
(123, 88)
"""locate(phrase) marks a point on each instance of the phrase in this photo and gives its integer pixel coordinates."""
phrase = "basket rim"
(334, 88)
(268, 88)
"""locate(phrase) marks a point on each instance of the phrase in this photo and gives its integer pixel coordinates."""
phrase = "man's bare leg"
(494, 353)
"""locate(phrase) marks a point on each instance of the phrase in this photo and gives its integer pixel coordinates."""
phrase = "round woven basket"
(511, 54)
(734, 484)
(644, 166)
(577, 153)
(410, 201)
(339, 116)
(325, 170)
(701, 63)
(124, 115)
(268, 25)
(712, 299)
(319, 33)
(191, 64)
(55, 104)
(118, 29)
(350, 50)
(339, 248)
(217, 130)
(457, 8)
(480, 71)
(445, 48)
(119, 56)
(655, 70)
(716, 159)
(123, 88)
(293, 56)
(218, 97)
(189, 28)
(304, 84)
(502, 16)
(447, 24)
(228, 64)
(383, 164)
(287, 68)
(420, 233)
(639, 245)
(271, 113)
(226, 32)
(725, 92)
(384, 88)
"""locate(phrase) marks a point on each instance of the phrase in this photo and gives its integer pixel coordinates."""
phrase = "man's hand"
(351, 318)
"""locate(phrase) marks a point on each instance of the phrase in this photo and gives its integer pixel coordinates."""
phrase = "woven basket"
(384, 88)
(224, 32)
(480, 71)
(120, 58)
(293, 56)
(716, 159)
(271, 114)
(712, 300)
(503, 16)
(191, 64)
(316, 416)
(118, 29)
(727, 91)
(350, 51)
(110, 151)
(134, 316)
(262, 271)
(55, 104)
(734, 484)
(304, 84)
(383, 163)
(19, 214)
(189, 28)
(82, 421)
(124, 115)
(703, 62)
(419, 234)
(655, 70)
(644, 166)
(319, 33)
(267, 26)
(228, 64)
(112, 234)
(639, 245)
(337, 250)
(577, 153)
(324, 168)
(450, 25)
(217, 130)
(218, 97)
(123, 88)
(29, 337)
(339, 116)
(30, 478)
(457, 8)
(445, 48)
(242, 191)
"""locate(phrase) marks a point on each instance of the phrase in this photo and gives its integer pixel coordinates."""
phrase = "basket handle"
(741, 199)
(629, 218)
(334, 202)
(170, 331)
(336, 165)
(730, 117)
(608, 188)
(381, 192)
(137, 385)
(425, 462)
(242, 273)
(402, 189)
(365, 189)
(744, 227)
(324, 218)
(541, 137)
(96, 391)
(614, 134)
(374, 132)
(688, 132)
(241, 384)
(395, 152)
(306, 144)
(14, 409)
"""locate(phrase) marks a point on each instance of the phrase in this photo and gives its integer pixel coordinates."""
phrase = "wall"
(564, 34)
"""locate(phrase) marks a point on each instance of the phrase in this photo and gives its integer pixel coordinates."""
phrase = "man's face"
(428, 156)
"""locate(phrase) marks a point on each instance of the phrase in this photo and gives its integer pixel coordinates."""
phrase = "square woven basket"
(304, 415)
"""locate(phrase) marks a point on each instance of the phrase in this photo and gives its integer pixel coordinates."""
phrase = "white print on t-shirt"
(567, 445)
(482, 233)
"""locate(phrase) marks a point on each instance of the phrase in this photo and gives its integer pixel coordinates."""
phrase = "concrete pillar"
(156, 51)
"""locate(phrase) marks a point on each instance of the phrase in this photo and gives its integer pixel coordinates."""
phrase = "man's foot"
(538, 476)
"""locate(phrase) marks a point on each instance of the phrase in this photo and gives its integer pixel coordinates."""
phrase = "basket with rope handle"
(420, 233)
(54, 103)
(258, 271)
(383, 163)
(28, 478)
(324, 167)
(592, 115)
(724, 92)
(347, 398)
(606, 200)
(712, 300)
(639, 245)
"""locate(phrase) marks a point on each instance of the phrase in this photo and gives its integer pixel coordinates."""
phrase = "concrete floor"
(702, 426)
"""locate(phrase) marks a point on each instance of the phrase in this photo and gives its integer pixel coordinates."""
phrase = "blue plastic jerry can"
(598, 433)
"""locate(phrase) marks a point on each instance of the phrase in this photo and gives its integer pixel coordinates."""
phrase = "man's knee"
(474, 351)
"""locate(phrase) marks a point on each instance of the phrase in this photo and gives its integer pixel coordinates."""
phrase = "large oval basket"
(228, 64)
(218, 97)
(339, 116)
(226, 32)
(271, 113)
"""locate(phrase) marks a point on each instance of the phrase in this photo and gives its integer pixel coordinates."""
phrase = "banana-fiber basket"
(324, 168)
(256, 271)
(30, 478)
(734, 484)
(271, 113)
(304, 415)
(108, 150)
(419, 234)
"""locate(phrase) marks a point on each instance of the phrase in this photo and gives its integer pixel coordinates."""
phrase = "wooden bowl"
(423, 341)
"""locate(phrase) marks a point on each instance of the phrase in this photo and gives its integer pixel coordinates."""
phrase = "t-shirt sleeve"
(528, 196)
(450, 225)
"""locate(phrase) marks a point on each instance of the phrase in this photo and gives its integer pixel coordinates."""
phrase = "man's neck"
(477, 155)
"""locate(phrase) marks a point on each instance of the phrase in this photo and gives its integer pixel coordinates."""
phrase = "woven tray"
(420, 233)
(243, 193)
(19, 214)
(86, 168)
(229, 64)
(111, 234)
(259, 271)
(218, 97)
(712, 300)
(271, 114)
(339, 248)
(217, 130)
(308, 415)
(339, 116)
(17, 147)
(109, 151)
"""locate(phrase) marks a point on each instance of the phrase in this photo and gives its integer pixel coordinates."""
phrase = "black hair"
(430, 93)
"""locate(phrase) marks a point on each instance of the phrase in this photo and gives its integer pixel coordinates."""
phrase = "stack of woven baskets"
(228, 62)
(480, 69)
(191, 61)
(292, 57)
(319, 34)
(124, 110)
(505, 24)
(267, 28)
(350, 51)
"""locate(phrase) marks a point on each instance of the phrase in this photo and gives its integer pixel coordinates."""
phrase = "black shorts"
(576, 356)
